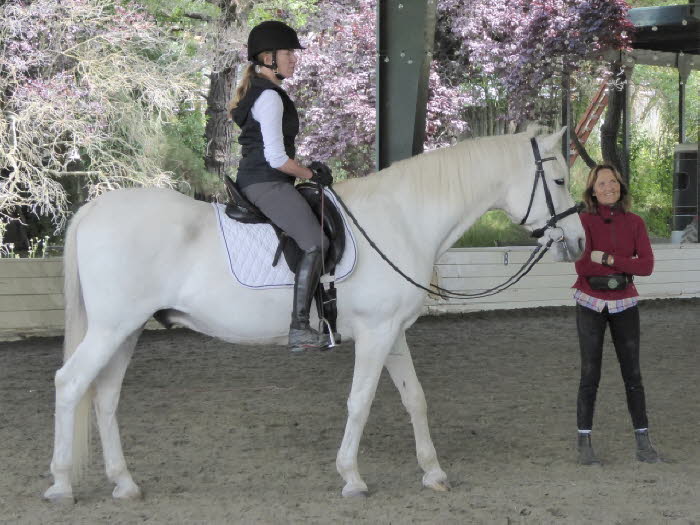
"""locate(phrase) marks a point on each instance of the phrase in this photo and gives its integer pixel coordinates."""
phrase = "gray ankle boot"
(302, 339)
(586, 456)
(645, 451)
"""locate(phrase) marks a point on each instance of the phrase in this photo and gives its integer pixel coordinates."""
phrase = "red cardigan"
(624, 235)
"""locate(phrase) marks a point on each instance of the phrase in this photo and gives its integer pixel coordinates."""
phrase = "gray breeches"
(285, 207)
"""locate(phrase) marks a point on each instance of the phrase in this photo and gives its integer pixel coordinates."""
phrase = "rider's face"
(286, 62)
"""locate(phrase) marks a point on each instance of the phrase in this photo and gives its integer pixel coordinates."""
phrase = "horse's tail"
(75, 330)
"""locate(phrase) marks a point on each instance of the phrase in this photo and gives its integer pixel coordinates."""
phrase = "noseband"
(554, 217)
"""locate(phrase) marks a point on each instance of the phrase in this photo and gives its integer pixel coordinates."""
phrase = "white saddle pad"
(250, 249)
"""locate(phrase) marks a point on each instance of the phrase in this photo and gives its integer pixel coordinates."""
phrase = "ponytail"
(242, 87)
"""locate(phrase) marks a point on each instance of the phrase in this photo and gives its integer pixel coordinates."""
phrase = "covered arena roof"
(665, 36)
(672, 28)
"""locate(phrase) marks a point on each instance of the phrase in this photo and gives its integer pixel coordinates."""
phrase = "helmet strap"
(273, 66)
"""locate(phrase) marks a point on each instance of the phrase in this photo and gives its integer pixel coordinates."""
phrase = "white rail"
(31, 290)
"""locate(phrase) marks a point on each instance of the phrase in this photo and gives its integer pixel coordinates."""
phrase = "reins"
(443, 292)
(533, 259)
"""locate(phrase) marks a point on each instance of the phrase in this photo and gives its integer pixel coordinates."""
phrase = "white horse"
(133, 252)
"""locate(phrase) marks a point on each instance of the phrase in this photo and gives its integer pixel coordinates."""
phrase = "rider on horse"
(269, 124)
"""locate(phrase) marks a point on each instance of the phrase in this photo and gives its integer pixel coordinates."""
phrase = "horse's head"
(538, 197)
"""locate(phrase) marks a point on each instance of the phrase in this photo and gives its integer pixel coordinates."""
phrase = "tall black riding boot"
(301, 335)
(586, 456)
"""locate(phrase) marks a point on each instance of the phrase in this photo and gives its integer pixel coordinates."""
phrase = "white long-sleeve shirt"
(268, 110)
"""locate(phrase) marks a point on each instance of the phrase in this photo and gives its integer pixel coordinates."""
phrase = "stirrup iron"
(330, 332)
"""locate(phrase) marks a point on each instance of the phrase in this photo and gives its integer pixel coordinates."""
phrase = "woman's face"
(286, 62)
(606, 188)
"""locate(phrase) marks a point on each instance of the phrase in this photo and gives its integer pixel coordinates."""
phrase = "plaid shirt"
(598, 305)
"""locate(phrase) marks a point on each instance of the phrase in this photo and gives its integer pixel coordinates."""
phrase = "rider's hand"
(597, 256)
(321, 173)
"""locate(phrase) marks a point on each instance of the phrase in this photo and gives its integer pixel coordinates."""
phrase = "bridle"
(554, 216)
(534, 258)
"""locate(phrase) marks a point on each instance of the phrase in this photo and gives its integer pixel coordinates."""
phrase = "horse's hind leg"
(107, 389)
(399, 364)
(72, 381)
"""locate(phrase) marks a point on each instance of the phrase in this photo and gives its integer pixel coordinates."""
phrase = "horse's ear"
(551, 142)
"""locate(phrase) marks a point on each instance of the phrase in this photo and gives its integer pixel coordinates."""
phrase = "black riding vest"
(253, 167)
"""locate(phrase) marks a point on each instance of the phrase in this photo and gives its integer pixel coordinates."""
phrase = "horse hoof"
(357, 491)
(57, 496)
(440, 486)
(436, 480)
(127, 491)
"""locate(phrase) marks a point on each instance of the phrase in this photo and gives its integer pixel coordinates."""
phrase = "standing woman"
(617, 247)
(266, 173)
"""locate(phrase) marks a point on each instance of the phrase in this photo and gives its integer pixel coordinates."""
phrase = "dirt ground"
(221, 433)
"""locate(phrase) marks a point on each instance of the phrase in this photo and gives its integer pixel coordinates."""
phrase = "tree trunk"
(484, 122)
(581, 149)
(218, 131)
(610, 129)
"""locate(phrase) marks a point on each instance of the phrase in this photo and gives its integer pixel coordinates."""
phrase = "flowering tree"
(335, 88)
(521, 48)
(86, 90)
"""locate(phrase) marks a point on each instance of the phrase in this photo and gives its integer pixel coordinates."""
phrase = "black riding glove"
(321, 173)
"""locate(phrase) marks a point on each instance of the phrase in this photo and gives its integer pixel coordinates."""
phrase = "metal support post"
(566, 119)
(405, 37)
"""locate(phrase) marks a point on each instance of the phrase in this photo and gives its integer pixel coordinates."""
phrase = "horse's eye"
(559, 181)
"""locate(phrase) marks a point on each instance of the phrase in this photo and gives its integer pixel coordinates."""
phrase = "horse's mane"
(459, 170)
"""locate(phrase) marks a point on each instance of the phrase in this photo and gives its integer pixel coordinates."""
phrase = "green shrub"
(651, 180)
(494, 228)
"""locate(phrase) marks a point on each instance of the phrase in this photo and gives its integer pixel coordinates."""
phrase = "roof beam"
(683, 61)
(669, 28)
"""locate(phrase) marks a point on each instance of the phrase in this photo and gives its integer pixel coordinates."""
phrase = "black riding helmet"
(271, 36)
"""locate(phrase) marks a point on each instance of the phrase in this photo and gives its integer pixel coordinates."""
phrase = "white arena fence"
(31, 290)
(676, 275)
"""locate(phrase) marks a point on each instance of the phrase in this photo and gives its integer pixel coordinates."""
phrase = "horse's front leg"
(399, 364)
(371, 349)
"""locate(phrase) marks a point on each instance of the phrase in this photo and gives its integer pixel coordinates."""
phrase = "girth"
(242, 210)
